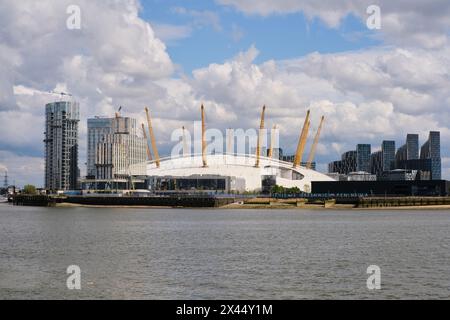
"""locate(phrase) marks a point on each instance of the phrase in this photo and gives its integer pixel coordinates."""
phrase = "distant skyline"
(234, 56)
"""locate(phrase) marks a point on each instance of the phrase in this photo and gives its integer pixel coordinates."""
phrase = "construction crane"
(118, 112)
(204, 145)
(258, 145)
(61, 94)
(302, 141)
(152, 138)
(272, 141)
(149, 154)
(312, 153)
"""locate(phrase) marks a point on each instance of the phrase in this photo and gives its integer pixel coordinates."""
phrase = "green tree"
(29, 189)
(293, 190)
(277, 189)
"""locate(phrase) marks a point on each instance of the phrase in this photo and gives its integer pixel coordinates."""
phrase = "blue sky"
(277, 37)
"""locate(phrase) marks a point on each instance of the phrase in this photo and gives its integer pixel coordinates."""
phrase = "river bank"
(335, 207)
(211, 201)
(239, 206)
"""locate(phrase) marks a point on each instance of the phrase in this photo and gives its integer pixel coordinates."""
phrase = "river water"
(223, 254)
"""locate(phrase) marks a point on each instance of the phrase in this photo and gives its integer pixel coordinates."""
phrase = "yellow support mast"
(302, 141)
(312, 153)
(258, 146)
(152, 138)
(149, 154)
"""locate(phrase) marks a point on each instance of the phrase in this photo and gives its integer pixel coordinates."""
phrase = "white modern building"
(229, 172)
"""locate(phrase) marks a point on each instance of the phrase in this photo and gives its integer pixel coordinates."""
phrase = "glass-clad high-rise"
(388, 151)
(363, 152)
(98, 128)
(432, 150)
(61, 145)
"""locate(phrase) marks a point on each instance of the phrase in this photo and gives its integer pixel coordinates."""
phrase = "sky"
(234, 56)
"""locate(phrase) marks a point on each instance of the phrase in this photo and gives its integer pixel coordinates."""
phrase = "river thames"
(223, 254)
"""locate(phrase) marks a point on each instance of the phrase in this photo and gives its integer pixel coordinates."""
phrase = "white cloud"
(237, 33)
(22, 169)
(404, 22)
(169, 33)
(201, 18)
(366, 96)
(114, 58)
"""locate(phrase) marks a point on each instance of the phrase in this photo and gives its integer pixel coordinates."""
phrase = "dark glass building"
(385, 164)
(383, 188)
(412, 146)
(428, 165)
(431, 150)
(376, 163)
(346, 165)
(363, 152)
(410, 150)
(388, 151)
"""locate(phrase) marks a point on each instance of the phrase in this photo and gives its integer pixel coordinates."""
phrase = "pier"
(34, 200)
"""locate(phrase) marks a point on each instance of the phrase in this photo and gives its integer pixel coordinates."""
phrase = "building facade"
(346, 165)
(432, 150)
(383, 188)
(388, 151)
(230, 173)
(115, 153)
(376, 163)
(98, 128)
(410, 150)
(61, 145)
(399, 175)
(363, 152)
(412, 146)
(120, 156)
(361, 176)
(388, 164)
(383, 160)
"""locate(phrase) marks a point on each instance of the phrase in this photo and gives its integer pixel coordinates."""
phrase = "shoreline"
(236, 203)
(235, 206)
(335, 207)
(74, 205)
